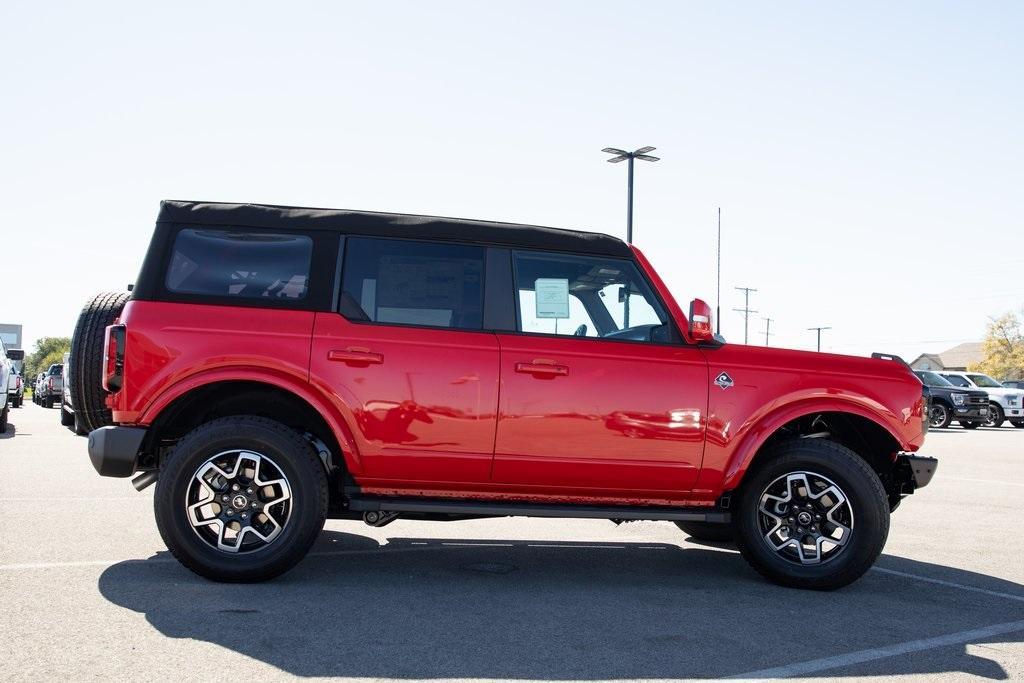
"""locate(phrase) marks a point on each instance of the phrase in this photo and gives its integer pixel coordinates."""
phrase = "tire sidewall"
(308, 488)
(870, 519)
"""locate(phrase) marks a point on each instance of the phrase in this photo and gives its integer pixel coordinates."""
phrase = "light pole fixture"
(622, 155)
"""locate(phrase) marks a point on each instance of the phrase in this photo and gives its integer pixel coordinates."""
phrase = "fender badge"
(724, 380)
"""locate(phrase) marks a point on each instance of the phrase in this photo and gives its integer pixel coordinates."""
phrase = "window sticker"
(552, 296)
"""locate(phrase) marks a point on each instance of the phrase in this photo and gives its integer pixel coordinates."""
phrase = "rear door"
(406, 356)
(598, 395)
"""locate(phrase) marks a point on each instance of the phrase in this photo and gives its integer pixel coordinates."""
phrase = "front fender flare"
(755, 436)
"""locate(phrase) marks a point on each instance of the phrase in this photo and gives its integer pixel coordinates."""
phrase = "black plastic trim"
(483, 508)
(114, 451)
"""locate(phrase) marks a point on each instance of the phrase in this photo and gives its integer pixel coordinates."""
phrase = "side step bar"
(486, 509)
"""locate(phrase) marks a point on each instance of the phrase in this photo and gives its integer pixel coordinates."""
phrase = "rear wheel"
(241, 499)
(86, 360)
(707, 531)
(812, 515)
(939, 416)
(995, 416)
(967, 424)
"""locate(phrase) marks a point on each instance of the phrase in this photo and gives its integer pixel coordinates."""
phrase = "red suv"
(278, 366)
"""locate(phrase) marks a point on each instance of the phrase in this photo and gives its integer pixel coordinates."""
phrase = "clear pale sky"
(867, 157)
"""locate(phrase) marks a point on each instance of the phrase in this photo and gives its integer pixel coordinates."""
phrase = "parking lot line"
(950, 584)
(997, 482)
(816, 665)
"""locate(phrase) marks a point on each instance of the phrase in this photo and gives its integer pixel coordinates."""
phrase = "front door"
(598, 395)
(406, 357)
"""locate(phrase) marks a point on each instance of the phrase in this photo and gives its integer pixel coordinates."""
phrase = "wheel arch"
(206, 397)
(852, 425)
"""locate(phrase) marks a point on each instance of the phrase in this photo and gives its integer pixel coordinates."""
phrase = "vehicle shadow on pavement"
(430, 608)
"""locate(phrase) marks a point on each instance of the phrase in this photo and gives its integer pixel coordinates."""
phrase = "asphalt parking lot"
(88, 591)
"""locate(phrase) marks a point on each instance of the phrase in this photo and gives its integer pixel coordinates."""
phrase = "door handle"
(355, 355)
(542, 367)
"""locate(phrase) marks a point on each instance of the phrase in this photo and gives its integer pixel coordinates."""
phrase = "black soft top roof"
(390, 225)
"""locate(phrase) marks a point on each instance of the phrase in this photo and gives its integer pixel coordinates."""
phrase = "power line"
(746, 311)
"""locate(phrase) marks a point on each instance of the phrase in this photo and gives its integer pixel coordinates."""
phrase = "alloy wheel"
(938, 415)
(805, 518)
(238, 501)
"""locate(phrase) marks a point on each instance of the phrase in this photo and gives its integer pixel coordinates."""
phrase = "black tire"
(1019, 424)
(967, 424)
(86, 360)
(79, 428)
(996, 418)
(3, 419)
(48, 402)
(939, 415)
(866, 498)
(67, 418)
(294, 457)
(707, 531)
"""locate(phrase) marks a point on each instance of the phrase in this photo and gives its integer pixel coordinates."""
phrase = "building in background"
(956, 358)
(11, 334)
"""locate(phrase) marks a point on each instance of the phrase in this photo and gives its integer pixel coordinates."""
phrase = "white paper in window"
(552, 295)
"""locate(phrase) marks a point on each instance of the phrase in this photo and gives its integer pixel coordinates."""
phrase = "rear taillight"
(113, 358)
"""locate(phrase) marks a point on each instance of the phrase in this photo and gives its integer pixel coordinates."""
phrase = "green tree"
(48, 350)
(1003, 348)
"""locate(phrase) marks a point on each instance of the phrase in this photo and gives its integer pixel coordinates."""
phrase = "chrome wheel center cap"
(239, 502)
(804, 518)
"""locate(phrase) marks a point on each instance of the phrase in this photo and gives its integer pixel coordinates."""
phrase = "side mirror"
(701, 329)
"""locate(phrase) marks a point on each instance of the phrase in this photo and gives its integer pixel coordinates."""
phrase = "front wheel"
(939, 416)
(812, 514)
(995, 416)
(241, 499)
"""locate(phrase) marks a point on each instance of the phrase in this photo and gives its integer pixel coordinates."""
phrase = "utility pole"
(745, 311)
(767, 329)
(718, 284)
(818, 330)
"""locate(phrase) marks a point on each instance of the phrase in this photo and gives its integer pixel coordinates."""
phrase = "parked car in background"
(15, 389)
(52, 386)
(1003, 402)
(1013, 383)
(949, 402)
(6, 368)
(37, 387)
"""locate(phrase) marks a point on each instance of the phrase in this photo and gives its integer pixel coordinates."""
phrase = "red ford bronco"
(276, 366)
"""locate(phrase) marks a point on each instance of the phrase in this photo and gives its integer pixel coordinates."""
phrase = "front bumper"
(914, 471)
(1015, 411)
(114, 451)
(979, 413)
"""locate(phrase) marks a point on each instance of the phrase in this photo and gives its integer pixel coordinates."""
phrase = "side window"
(406, 282)
(586, 296)
(247, 265)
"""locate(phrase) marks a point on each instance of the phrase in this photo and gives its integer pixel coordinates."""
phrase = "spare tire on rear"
(86, 360)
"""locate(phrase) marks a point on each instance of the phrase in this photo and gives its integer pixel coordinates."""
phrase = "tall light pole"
(622, 155)
(745, 310)
(818, 330)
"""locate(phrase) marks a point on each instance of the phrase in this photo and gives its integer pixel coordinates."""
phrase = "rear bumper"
(114, 451)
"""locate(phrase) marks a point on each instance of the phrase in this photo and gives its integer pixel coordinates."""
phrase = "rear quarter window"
(239, 264)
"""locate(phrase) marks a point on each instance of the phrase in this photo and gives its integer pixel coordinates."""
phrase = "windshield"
(957, 380)
(933, 380)
(985, 381)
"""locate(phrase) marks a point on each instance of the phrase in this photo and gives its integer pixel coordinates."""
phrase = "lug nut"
(255, 505)
(234, 487)
(244, 515)
(249, 490)
(224, 498)
(230, 512)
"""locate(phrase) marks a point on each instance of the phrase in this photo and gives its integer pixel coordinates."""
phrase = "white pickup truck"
(1004, 403)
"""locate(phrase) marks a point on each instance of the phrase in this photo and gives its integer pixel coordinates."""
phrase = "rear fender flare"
(335, 416)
